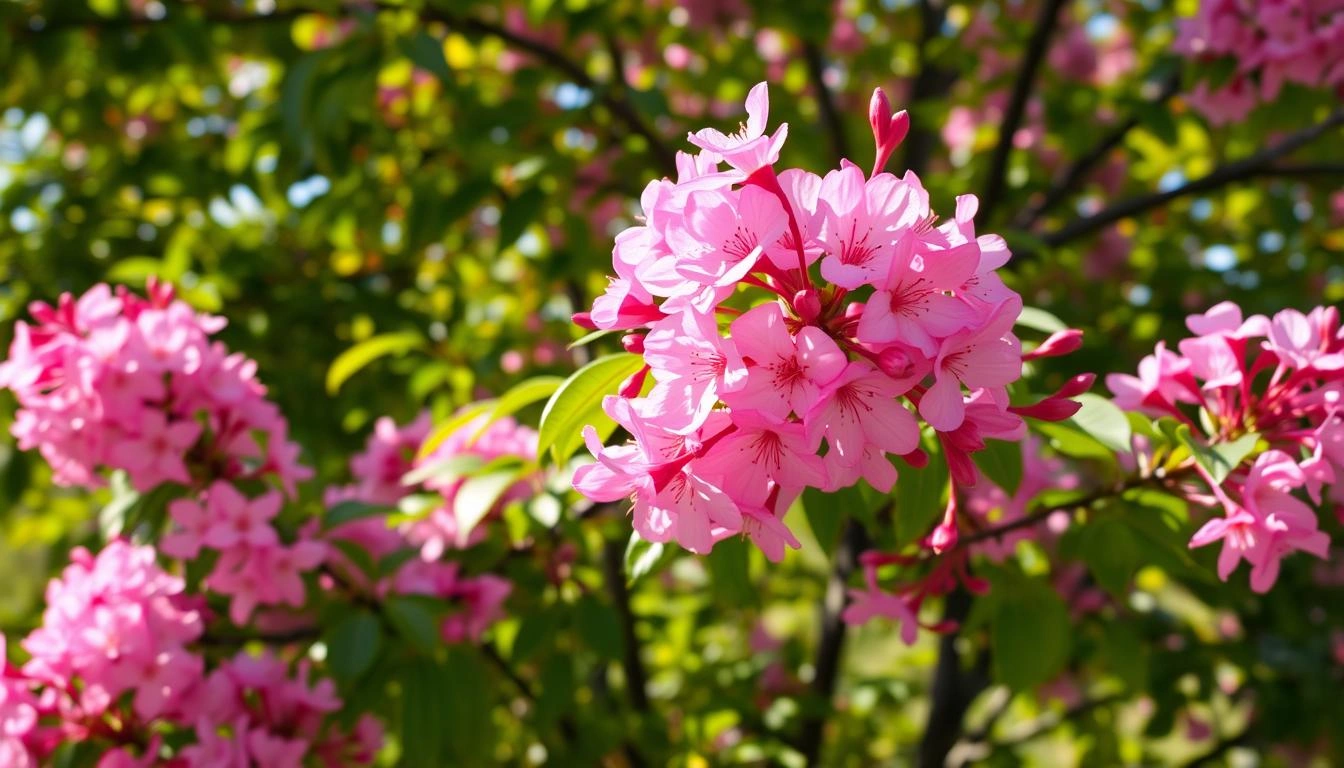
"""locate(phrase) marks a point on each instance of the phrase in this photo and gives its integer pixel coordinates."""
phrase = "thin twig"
(1050, 721)
(830, 115)
(1046, 20)
(1079, 170)
(1259, 164)
(1040, 515)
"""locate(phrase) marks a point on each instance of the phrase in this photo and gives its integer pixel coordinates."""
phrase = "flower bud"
(633, 343)
(1060, 343)
(807, 305)
(632, 386)
(895, 362)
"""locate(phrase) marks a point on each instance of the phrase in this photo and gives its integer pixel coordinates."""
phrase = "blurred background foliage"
(423, 192)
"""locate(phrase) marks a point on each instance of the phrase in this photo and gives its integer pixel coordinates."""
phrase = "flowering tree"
(838, 459)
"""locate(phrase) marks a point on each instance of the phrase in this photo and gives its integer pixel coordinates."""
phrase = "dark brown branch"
(1040, 515)
(1084, 165)
(1258, 164)
(636, 678)
(930, 82)
(1046, 20)
(830, 115)
(1293, 170)
(954, 688)
(831, 642)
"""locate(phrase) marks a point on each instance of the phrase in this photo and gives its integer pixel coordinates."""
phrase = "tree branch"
(1079, 170)
(1258, 164)
(636, 678)
(1046, 20)
(953, 688)
(831, 642)
(1040, 515)
(830, 116)
(930, 82)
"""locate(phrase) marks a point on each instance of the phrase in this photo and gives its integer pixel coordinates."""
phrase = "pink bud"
(944, 537)
(895, 363)
(633, 343)
(879, 114)
(632, 385)
(916, 458)
(1060, 343)
(888, 130)
(1077, 385)
(584, 320)
(807, 305)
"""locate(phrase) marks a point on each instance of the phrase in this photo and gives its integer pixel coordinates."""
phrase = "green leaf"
(427, 53)
(1039, 320)
(598, 627)
(1029, 633)
(1218, 459)
(357, 554)
(1111, 552)
(519, 397)
(1001, 462)
(445, 471)
(518, 214)
(826, 513)
(919, 496)
(352, 645)
(478, 495)
(537, 630)
(643, 557)
(578, 403)
(354, 359)
(1069, 440)
(446, 430)
(589, 338)
(1125, 654)
(466, 718)
(426, 688)
(346, 511)
(415, 618)
(112, 517)
(1104, 421)
(729, 566)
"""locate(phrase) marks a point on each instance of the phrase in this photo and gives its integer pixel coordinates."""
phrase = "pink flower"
(913, 306)
(157, 454)
(749, 148)
(1268, 524)
(693, 366)
(989, 356)
(765, 451)
(236, 521)
(859, 409)
(784, 373)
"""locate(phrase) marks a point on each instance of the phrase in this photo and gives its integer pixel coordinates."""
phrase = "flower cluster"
(112, 662)
(873, 313)
(389, 456)
(1267, 44)
(1277, 382)
(254, 567)
(114, 381)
